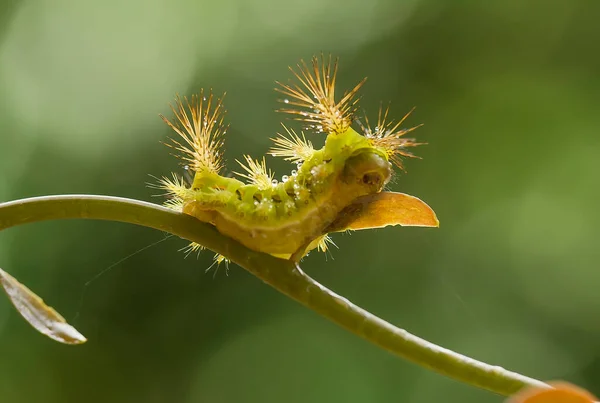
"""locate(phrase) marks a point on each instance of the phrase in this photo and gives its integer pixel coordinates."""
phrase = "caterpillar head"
(368, 168)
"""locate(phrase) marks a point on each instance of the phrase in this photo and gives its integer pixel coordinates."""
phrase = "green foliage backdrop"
(508, 92)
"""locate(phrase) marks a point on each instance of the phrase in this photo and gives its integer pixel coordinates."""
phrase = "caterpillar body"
(336, 188)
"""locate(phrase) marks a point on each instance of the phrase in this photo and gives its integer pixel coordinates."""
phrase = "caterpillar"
(339, 187)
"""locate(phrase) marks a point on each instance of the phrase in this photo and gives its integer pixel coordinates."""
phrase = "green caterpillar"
(335, 188)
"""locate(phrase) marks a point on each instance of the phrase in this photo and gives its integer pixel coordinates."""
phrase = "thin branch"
(283, 275)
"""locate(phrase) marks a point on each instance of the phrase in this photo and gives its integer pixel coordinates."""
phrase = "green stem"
(283, 275)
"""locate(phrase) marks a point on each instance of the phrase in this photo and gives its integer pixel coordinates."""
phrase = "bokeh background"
(508, 92)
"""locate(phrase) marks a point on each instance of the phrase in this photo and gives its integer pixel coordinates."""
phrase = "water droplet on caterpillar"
(299, 165)
(274, 182)
(294, 172)
(285, 178)
(286, 101)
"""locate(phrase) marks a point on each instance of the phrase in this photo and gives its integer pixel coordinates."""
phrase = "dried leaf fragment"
(39, 315)
(382, 209)
(558, 392)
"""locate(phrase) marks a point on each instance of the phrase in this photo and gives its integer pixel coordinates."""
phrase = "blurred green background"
(508, 92)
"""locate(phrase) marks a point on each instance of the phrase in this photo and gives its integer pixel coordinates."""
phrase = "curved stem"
(283, 275)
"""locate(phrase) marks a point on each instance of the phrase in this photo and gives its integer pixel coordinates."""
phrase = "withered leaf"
(382, 209)
(39, 315)
(558, 392)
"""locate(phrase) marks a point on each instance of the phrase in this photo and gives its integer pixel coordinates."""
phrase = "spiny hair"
(316, 95)
(291, 147)
(201, 131)
(256, 172)
(175, 189)
(387, 135)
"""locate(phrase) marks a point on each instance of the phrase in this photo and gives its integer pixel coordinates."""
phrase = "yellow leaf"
(39, 315)
(382, 209)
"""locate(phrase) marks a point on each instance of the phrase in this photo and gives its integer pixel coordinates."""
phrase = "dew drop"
(286, 101)
(299, 165)
(284, 178)
(274, 182)
(294, 172)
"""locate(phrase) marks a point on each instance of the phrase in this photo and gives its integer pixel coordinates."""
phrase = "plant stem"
(283, 275)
